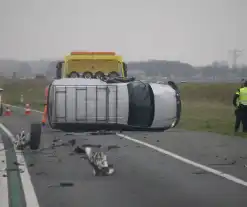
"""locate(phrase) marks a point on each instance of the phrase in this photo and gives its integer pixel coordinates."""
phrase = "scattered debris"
(62, 184)
(102, 132)
(14, 169)
(41, 173)
(72, 142)
(22, 140)
(98, 160)
(92, 145)
(74, 134)
(229, 163)
(53, 146)
(17, 163)
(67, 134)
(52, 155)
(79, 150)
(113, 147)
(200, 172)
(84, 157)
(56, 139)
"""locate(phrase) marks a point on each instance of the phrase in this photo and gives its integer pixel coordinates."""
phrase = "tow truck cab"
(91, 65)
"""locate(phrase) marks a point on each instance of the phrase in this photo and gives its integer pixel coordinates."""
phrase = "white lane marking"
(4, 194)
(177, 157)
(187, 161)
(30, 196)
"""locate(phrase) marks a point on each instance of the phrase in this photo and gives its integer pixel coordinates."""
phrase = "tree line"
(149, 68)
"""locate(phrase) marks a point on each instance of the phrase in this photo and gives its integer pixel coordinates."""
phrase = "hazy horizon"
(192, 31)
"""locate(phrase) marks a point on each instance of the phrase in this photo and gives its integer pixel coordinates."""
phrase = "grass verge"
(206, 107)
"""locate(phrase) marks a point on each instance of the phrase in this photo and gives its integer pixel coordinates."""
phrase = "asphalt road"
(144, 177)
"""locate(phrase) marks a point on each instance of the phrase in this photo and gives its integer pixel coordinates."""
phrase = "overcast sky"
(193, 31)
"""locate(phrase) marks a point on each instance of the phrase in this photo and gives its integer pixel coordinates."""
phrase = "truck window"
(59, 72)
(141, 104)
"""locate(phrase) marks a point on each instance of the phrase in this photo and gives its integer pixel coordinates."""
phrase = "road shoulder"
(21, 191)
(4, 196)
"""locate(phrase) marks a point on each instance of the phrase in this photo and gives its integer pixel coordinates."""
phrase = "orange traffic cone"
(7, 111)
(27, 109)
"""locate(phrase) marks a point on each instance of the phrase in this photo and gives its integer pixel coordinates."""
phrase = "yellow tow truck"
(91, 65)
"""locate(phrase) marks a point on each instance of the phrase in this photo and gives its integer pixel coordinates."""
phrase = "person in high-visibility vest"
(45, 108)
(241, 107)
(238, 121)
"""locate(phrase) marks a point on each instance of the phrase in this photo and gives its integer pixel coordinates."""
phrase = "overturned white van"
(92, 104)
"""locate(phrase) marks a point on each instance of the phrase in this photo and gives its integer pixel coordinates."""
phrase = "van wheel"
(113, 75)
(35, 135)
(99, 75)
(73, 75)
(87, 75)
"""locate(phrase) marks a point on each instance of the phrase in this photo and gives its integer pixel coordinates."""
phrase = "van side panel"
(90, 104)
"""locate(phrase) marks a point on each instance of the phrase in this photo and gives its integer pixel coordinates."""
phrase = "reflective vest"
(242, 96)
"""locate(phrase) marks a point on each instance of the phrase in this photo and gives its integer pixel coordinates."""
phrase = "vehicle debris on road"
(62, 184)
(98, 160)
(22, 140)
(228, 163)
(102, 132)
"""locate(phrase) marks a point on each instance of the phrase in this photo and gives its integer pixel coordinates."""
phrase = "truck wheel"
(113, 75)
(35, 135)
(87, 75)
(99, 75)
(74, 75)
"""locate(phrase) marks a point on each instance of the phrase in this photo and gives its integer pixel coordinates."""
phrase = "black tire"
(1, 109)
(35, 136)
(87, 75)
(99, 75)
(74, 75)
(113, 74)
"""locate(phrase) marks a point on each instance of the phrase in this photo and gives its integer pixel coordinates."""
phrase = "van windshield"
(141, 104)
